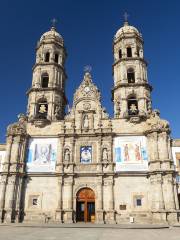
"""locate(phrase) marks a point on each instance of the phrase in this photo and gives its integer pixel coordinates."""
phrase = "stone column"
(110, 193)
(163, 146)
(99, 203)
(59, 162)
(169, 198)
(2, 198)
(10, 195)
(10, 204)
(8, 152)
(154, 162)
(59, 207)
(157, 194)
(123, 106)
(168, 190)
(68, 218)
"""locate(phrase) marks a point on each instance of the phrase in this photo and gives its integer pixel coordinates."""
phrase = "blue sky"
(88, 28)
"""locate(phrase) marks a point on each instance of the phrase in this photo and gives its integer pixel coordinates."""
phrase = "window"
(132, 106)
(129, 52)
(120, 54)
(44, 80)
(56, 58)
(138, 202)
(47, 56)
(131, 75)
(34, 201)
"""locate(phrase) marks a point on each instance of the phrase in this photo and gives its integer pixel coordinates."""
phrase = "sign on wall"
(41, 155)
(130, 153)
(86, 154)
(2, 158)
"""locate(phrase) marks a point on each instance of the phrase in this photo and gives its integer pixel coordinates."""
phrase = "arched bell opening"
(85, 205)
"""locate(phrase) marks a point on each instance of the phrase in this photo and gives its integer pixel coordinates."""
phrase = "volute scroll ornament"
(156, 123)
(18, 128)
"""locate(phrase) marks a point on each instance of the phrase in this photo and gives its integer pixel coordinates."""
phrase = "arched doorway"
(85, 205)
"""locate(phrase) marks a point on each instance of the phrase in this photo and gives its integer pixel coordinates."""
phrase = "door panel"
(80, 211)
(90, 212)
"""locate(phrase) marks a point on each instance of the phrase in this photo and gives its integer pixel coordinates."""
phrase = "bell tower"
(131, 92)
(46, 97)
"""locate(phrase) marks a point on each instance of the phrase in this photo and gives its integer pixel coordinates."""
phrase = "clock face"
(86, 89)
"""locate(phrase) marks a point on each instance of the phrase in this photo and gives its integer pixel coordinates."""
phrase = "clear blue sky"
(88, 28)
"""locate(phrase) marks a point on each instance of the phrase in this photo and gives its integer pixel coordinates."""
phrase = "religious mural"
(41, 155)
(86, 154)
(2, 158)
(130, 153)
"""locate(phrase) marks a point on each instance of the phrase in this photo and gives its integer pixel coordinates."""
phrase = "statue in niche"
(67, 155)
(86, 121)
(42, 108)
(105, 154)
(56, 112)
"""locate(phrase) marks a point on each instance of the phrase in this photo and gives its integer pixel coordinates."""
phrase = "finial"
(87, 69)
(126, 15)
(54, 21)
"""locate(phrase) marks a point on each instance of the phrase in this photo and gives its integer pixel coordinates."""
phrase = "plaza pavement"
(88, 232)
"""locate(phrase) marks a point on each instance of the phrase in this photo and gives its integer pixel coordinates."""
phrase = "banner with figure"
(41, 156)
(130, 153)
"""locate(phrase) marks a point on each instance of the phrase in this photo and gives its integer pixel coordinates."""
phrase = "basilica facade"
(81, 165)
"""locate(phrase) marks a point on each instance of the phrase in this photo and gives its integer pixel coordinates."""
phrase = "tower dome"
(50, 36)
(127, 30)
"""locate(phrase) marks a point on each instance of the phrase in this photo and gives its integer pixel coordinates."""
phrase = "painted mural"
(130, 153)
(41, 156)
(86, 154)
(2, 158)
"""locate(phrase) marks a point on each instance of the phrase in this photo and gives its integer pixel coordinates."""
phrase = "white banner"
(130, 153)
(41, 155)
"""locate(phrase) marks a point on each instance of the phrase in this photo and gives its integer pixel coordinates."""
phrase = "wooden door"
(85, 205)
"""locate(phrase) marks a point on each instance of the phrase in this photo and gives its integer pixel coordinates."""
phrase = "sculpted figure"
(86, 121)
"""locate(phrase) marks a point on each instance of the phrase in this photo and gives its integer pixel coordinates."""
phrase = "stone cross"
(87, 68)
(54, 21)
(126, 15)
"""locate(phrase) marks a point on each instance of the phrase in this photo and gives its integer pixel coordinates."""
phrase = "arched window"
(56, 58)
(44, 80)
(132, 106)
(131, 75)
(120, 53)
(129, 52)
(42, 109)
(47, 56)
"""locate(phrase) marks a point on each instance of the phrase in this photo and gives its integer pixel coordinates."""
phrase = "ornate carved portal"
(85, 205)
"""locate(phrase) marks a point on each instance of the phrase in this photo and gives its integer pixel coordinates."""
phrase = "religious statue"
(42, 108)
(67, 155)
(56, 112)
(105, 154)
(86, 121)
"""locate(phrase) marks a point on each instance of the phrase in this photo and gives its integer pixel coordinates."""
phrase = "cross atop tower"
(54, 21)
(126, 15)
(87, 69)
